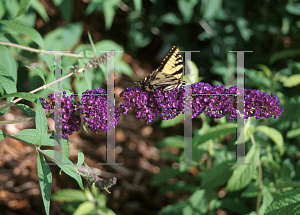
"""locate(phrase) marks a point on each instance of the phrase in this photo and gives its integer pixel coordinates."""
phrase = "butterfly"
(168, 75)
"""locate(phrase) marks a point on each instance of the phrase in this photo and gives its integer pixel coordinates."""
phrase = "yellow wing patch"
(168, 75)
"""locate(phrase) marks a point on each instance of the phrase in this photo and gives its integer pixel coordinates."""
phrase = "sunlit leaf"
(24, 29)
(45, 179)
(242, 174)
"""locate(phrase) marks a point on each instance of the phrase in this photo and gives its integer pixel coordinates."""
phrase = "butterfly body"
(168, 75)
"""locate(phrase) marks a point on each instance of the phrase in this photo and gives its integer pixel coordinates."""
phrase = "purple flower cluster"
(148, 105)
(94, 103)
(261, 105)
(70, 122)
(217, 101)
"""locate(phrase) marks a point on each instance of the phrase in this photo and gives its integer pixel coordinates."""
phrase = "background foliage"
(145, 30)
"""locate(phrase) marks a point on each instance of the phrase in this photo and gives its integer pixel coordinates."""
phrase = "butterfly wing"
(168, 75)
(172, 65)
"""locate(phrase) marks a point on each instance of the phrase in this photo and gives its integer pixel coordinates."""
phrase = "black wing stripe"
(168, 75)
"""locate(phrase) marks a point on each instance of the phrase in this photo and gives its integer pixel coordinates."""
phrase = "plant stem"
(41, 51)
(7, 122)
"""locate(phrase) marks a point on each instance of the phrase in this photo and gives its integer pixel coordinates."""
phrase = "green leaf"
(174, 141)
(283, 184)
(267, 199)
(293, 8)
(214, 132)
(268, 162)
(249, 129)
(175, 209)
(287, 170)
(49, 61)
(265, 69)
(2, 134)
(109, 9)
(27, 18)
(107, 211)
(80, 159)
(28, 111)
(28, 96)
(284, 54)
(171, 18)
(139, 38)
(242, 174)
(164, 175)
(291, 81)
(8, 62)
(100, 197)
(124, 67)
(138, 5)
(7, 81)
(65, 145)
(108, 45)
(63, 38)
(273, 134)
(2, 9)
(70, 195)
(293, 133)
(243, 27)
(194, 72)
(45, 179)
(66, 165)
(258, 78)
(23, 6)
(40, 119)
(40, 9)
(286, 203)
(24, 29)
(31, 136)
(250, 191)
(286, 24)
(41, 123)
(199, 201)
(172, 122)
(37, 71)
(94, 5)
(11, 6)
(218, 175)
(211, 9)
(236, 205)
(66, 9)
(88, 169)
(92, 43)
(188, 210)
(85, 208)
(186, 8)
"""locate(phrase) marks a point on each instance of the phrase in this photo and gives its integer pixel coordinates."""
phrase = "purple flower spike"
(148, 105)
(94, 105)
(143, 101)
(70, 122)
(261, 105)
(217, 101)
(232, 105)
(171, 101)
(200, 98)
